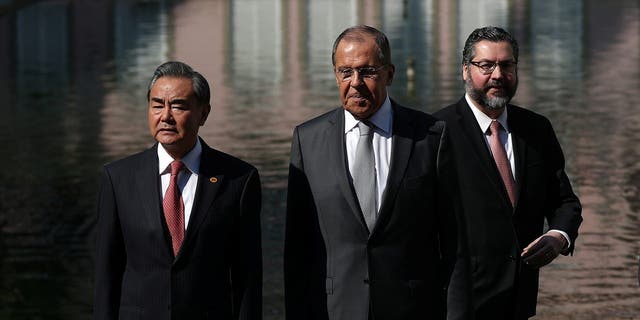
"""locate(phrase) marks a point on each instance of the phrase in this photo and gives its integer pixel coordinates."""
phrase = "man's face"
(361, 95)
(174, 114)
(494, 90)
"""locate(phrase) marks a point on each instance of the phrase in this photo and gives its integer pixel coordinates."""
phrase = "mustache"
(359, 95)
(495, 84)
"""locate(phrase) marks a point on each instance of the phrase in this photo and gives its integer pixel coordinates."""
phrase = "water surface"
(73, 76)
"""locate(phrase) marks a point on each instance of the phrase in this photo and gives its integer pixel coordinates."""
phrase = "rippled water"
(73, 77)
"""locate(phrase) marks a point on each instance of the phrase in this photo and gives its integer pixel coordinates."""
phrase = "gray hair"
(493, 34)
(357, 33)
(179, 69)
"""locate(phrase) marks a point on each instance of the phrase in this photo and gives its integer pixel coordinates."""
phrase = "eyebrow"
(174, 101)
(494, 61)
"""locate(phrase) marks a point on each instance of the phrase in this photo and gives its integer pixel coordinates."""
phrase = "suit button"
(366, 281)
(511, 258)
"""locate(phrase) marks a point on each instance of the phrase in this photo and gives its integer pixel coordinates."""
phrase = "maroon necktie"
(500, 157)
(174, 208)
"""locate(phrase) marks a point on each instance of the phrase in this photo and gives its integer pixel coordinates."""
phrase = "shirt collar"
(382, 119)
(191, 160)
(483, 120)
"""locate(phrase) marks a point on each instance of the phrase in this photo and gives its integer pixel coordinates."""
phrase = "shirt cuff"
(566, 237)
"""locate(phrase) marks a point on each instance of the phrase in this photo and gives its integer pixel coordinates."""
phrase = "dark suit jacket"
(334, 268)
(218, 271)
(497, 232)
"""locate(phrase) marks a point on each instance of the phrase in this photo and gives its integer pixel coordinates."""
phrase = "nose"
(356, 80)
(497, 72)
(165, 115)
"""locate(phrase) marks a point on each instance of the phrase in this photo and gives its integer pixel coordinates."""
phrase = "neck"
(177, 152)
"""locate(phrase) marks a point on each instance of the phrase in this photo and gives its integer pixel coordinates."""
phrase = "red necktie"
(174, 208)
(500, 157)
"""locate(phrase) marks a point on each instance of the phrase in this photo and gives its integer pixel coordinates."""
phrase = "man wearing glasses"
(370, 228)
(511, 176)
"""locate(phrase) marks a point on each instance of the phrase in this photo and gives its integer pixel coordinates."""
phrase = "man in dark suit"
(178, 233)
(511, 176)
(379, 245)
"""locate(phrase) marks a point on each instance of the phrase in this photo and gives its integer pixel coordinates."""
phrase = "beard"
(491, 103)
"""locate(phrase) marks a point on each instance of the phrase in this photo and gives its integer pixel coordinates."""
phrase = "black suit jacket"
(218, 271)
(334, 268)
(503, 286)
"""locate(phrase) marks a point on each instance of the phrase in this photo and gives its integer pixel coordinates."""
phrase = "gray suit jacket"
(334, 268)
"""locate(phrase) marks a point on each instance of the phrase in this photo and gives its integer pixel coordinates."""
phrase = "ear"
(205, 114)
(465, 71)
(390, 72)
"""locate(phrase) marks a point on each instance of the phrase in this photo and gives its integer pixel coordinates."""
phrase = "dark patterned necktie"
(500, 157)
(174, 208)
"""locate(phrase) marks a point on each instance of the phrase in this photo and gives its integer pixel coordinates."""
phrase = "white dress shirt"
(505, 135)
(505, 138)
(383, 121)
(187, 178)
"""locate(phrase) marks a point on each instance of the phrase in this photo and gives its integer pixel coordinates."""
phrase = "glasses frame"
(371, 73)
(504, 66)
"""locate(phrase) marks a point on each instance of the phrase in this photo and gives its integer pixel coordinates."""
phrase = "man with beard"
(511, 175)
(370, 229)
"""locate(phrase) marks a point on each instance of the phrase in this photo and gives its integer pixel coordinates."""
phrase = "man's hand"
(544, 249)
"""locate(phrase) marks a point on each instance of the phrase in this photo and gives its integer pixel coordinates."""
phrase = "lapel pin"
(213, 179)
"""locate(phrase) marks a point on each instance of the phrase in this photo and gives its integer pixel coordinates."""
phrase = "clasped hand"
(543, 250)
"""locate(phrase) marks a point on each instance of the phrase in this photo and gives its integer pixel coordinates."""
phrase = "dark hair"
(182, 70)
(493, 34)
(357, 33)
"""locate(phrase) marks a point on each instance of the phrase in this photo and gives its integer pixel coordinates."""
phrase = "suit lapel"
(519, 150)
(338, 159)
(401, 149)
(150, 197)
(474, 134)
(209, 181)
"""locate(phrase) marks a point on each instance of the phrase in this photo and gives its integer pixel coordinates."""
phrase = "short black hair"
(182, 70)
(356, 34)
(490, 33)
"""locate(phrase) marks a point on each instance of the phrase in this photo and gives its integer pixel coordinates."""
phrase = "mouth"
(497, 90)
(358, 98)
(167, 130)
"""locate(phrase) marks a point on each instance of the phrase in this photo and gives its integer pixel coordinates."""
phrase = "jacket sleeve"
(110, 256)
(565, 212)
(246, 271)
(297, 244)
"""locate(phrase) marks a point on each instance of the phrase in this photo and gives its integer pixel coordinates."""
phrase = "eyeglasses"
(345, 74)
(487, 67)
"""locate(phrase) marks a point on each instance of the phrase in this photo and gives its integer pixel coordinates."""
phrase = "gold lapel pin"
(213, 179)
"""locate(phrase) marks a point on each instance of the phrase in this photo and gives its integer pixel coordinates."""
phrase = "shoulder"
(220, 158)
(215, 161)
(328, 118)
(134, 161)
(447, 113)
(405, 117)
(452, 111)
(522, 117)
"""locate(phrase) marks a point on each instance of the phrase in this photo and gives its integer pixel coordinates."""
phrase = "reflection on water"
(73, 78)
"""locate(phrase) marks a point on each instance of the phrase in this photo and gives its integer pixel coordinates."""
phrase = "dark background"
(73, 78)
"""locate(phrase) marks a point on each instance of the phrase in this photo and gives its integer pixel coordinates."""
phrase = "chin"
(360, 111)
(168, 140)
(497, 103)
